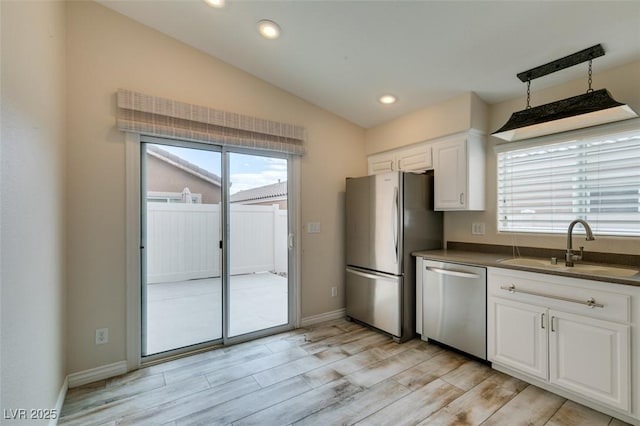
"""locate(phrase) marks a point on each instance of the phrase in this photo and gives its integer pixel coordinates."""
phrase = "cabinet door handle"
(462, 198)
(542, 320)
(591, 302)
(552, 330)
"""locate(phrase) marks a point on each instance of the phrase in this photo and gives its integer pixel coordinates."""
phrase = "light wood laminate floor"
(333, 373)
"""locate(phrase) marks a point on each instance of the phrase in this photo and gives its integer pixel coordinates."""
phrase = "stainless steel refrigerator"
(388, 216)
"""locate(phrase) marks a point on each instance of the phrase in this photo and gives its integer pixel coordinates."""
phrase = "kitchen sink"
(532, 263)
(579, 268)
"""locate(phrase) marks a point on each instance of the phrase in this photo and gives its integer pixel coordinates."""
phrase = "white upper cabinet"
(415, 158)
(459, 164)
(382, 163)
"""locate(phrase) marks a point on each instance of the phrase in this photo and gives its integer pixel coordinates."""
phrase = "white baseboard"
(98, 373)
(60, 401)
(327, 316)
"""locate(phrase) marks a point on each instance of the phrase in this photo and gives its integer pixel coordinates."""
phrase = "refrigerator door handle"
(395, 222)
(374, 276)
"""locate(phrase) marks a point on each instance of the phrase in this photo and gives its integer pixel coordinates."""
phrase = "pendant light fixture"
(589, 109)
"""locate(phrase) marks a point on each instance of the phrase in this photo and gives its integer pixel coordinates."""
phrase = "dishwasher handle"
(454, 273)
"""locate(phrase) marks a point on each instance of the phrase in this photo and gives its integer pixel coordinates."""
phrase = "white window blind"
(543, 188)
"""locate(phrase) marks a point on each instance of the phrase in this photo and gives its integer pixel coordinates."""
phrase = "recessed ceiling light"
(215, 3)
(269, 29)
(387, 99)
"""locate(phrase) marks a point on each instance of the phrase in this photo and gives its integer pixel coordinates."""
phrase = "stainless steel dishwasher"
(455, 306)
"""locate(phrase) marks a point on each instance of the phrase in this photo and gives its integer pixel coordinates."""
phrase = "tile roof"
(266, 192)
(183, 164)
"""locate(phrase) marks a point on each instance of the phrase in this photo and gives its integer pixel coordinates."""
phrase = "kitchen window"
(543, 186)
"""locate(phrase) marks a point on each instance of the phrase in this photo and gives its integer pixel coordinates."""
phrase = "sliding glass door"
(182, 282)
(258, 255)
(214, 246)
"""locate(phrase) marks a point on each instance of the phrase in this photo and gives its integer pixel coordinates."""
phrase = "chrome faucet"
(569, 257)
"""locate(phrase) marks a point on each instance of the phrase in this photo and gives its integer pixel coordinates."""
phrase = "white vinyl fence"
(183, 240)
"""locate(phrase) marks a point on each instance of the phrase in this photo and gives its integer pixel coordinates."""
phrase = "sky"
(246, 171)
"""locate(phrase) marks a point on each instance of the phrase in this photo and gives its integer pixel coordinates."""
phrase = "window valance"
(151, 115)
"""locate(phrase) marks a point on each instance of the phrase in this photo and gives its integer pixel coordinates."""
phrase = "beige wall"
(32, 311)
(107, 51)
(452, 116)
(623, 83)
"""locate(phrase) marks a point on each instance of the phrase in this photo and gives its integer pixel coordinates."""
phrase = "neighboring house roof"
(183, 164)
(266, 192)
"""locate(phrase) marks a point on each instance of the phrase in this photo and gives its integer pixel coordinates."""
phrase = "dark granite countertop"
(491, 258)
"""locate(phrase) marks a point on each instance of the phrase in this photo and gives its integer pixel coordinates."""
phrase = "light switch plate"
(313, 228)
(477, 228)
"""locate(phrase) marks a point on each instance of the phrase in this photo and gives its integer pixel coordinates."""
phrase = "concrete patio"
(188, 312)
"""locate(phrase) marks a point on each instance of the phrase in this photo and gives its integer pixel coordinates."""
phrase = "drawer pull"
(590, 302)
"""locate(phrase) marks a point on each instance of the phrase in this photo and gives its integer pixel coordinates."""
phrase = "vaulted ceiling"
(343, 55)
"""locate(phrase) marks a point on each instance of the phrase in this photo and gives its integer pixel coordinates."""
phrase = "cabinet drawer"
(561, 293)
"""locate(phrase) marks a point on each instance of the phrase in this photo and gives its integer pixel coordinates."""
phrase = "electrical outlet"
(477, 228)
(102, 336)
(334, 291)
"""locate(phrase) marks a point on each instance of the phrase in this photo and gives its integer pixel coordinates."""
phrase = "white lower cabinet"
(545, 330)
(590, 357)
(518, 336)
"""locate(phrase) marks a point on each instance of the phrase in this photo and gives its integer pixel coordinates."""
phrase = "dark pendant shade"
(589, 109)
